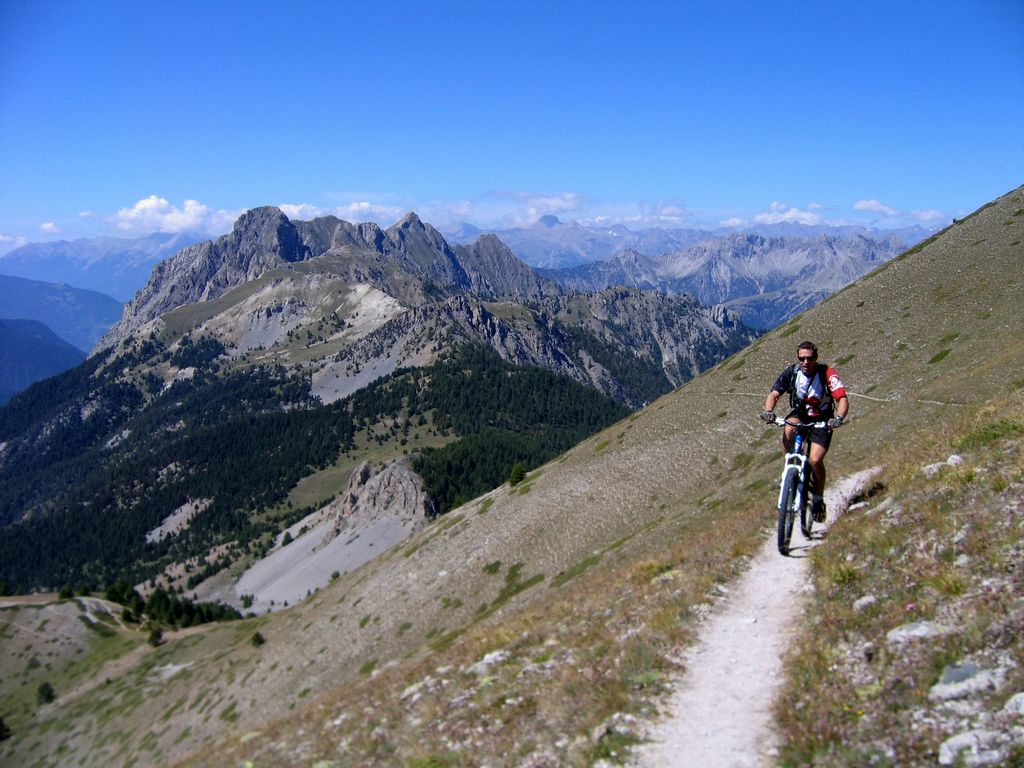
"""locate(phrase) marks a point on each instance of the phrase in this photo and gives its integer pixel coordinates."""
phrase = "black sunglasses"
(803, 359)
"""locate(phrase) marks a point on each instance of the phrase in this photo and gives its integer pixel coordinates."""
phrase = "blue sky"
(123, 118)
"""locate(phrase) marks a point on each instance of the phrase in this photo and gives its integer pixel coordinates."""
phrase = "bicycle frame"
(793, 483)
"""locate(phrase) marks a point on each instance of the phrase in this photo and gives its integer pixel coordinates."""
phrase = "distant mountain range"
(29, 351)
(115, 266)
(77, 315)
(553, 244)
(308, 341)
(767, 280)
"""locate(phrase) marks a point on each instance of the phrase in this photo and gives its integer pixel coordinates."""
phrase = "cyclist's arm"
(842, 406)
(772, 400)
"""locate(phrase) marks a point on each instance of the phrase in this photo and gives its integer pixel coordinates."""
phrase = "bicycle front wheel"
(787, 509)
(806, 517)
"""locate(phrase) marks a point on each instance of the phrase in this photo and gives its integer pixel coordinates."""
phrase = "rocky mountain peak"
(413, 232)
(549, 221)
(409, 221)
(628, 256)
(267, 229)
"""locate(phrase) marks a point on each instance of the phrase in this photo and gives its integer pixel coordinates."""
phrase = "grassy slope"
(945, 548)
(590, 574)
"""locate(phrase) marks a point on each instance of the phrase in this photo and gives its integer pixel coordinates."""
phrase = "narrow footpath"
(720, 714)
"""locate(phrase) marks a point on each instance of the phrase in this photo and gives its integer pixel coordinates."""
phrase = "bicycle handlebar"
(781, 422)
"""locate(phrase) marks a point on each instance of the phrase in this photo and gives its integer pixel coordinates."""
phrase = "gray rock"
(917, 630)
(1015, 705)
(972, 748)
(395, 494)
(959, 681)
(492, 659)
(863, 602)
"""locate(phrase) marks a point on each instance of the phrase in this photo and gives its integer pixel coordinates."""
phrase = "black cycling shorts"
(818, 435)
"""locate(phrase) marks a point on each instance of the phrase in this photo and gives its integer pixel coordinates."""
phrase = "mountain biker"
(816, 394)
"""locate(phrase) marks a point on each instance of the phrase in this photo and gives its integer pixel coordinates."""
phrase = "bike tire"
(786, 509)
(806, 516)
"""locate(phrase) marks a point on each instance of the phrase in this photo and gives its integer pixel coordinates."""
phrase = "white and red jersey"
(810, 389)
(814, 395)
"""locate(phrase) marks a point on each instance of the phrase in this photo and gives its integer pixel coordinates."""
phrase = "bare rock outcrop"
(393, 495)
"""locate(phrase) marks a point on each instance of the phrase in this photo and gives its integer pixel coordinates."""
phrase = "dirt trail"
(720, 713)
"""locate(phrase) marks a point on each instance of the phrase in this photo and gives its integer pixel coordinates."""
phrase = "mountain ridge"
(552, 244)
(271, 278)
(768, 280)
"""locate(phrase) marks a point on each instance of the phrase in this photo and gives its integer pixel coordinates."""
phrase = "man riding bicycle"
(816, 393)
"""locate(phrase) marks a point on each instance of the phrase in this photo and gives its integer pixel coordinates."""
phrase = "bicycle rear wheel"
(787, 509)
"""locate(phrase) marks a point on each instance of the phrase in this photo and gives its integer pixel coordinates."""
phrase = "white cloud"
(86, 214)
(49, 228)
(545, 205)
(9, 242)
(357, 211)
(673, 212)
(931, 216)
(781, 213)
(523, 208)
(363, 210)
(301, 211)
(157, 214)
(733, 222)
(875, 207)
(451, 214)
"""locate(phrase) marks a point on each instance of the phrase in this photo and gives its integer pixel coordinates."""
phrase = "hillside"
(532, 624)
(29, 351)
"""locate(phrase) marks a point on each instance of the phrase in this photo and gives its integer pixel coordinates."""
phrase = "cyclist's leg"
(816, 458)
(788, 435)
(820, 440)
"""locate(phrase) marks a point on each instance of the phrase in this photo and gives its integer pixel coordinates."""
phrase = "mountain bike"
(793, 486)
